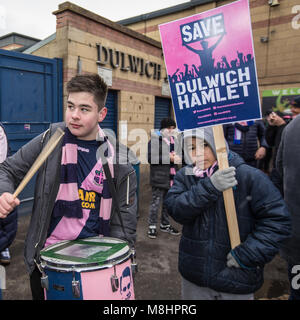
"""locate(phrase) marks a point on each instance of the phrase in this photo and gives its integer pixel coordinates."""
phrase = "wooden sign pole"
(222, 158)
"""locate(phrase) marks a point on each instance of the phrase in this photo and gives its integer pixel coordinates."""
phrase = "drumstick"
(49, 147)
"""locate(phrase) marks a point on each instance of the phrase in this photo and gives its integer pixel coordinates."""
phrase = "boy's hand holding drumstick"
(9, 201)
(7, 204)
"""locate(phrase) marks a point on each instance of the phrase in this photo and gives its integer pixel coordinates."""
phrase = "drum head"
(90, 253)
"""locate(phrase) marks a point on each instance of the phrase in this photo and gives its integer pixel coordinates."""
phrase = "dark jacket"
(287, 163)
(8, 226)
(273, 138)
(47, 183)
(263, 219)
(8, 230)
(250, 134)
(159, 160)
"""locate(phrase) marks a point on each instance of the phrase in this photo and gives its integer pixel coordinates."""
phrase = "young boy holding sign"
(210, 269)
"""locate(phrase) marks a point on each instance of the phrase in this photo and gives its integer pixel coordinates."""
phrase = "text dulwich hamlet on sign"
(207, 90)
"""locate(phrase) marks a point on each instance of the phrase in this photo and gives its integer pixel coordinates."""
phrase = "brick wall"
(79, 31)
(278, 63)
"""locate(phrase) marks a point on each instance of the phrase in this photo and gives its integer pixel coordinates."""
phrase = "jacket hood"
(205, 134)
(234, 159)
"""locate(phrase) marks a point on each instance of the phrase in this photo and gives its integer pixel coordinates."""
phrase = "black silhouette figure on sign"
(205, 55)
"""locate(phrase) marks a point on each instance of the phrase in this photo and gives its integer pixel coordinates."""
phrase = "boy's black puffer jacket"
(263, 219)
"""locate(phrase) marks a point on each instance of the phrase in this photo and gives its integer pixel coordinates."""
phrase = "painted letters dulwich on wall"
(127, 62)
(211, 68)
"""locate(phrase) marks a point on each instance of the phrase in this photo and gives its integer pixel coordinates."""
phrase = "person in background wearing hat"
(277, 121)
(287, 163)
(163, 162)
(210, 268)
(295, 107)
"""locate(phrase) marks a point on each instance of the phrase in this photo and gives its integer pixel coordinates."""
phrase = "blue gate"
(111, 119)
(162, 110)
(31, 97)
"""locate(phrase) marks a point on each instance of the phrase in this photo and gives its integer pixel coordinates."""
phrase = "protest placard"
(211, 68)
(212, 75)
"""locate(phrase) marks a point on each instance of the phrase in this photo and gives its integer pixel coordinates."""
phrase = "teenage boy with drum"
(72, 197)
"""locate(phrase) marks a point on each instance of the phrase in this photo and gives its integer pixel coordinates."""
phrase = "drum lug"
(134, 265)
(114, 280)
(44, 281)
(75, 287)
(44, 277)
(134, 268)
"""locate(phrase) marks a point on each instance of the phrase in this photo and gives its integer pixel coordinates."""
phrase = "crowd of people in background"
(207, 63)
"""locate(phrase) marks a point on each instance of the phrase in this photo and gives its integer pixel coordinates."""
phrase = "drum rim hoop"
(80, 267)
(85, 267)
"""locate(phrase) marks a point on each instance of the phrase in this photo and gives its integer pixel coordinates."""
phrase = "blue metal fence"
(31, 97)
(162, 110)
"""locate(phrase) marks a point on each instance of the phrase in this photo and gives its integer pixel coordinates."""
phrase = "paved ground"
(157, 279)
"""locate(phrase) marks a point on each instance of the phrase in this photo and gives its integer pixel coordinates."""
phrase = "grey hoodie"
(205, 134)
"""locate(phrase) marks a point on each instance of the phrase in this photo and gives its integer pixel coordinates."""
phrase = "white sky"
(34, 18)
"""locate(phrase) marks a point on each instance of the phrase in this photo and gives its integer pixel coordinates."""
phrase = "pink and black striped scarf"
(205, 173)
(68, 204)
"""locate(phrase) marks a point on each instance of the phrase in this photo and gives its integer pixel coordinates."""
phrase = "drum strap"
(113, 191)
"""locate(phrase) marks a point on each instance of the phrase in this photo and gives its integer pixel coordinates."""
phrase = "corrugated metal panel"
(30, 95)
(162, 110)
(30, 98)
(111, 119)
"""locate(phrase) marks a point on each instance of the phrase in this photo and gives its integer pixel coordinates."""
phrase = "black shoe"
(152, 233)
(168, 228)
(5, 257)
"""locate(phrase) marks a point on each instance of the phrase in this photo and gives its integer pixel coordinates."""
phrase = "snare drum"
(87, 269)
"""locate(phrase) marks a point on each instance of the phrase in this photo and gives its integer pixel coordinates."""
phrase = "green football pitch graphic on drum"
(85, 251)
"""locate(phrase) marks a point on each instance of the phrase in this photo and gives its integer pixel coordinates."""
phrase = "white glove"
(224, 179)
(231, 262)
